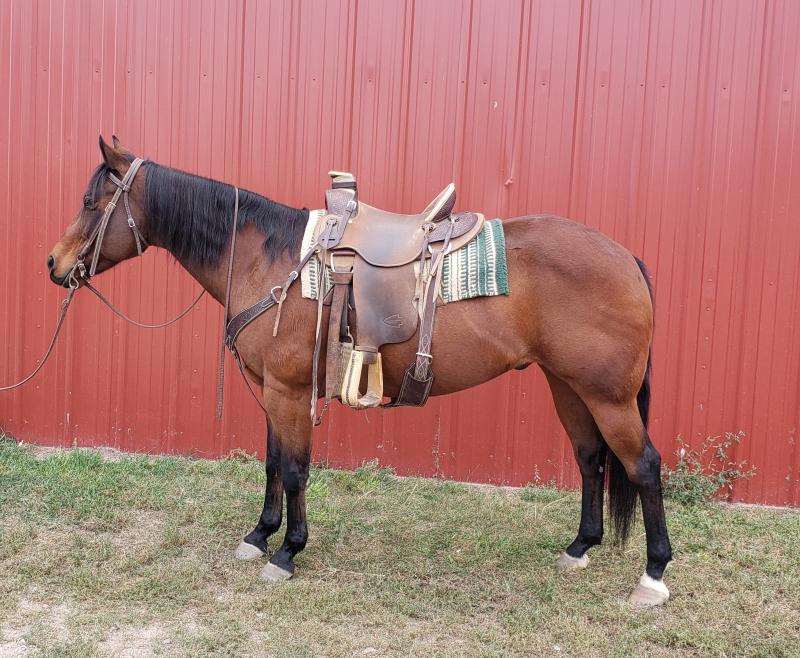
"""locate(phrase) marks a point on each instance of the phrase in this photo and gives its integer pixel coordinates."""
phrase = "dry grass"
(132, 557)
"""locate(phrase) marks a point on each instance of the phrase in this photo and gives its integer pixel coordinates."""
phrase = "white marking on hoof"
(568, 563)
(649, 592)
(247, 552)
(274, 574)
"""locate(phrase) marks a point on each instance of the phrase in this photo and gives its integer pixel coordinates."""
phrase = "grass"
(133, 557)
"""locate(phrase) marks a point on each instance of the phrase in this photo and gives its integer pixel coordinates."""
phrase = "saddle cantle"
(388, 267)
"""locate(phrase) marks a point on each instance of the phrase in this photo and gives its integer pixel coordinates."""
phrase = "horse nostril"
(51, 263)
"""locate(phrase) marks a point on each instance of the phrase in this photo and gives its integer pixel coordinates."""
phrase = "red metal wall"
(671, 126)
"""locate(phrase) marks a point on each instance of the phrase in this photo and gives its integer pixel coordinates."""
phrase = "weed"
(707, 472)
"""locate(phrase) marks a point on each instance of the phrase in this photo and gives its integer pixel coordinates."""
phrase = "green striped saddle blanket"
(478, 269)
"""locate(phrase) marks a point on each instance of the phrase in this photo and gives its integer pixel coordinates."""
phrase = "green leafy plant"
(707, 472)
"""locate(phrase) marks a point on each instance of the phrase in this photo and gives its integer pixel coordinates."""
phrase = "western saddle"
(387, 267)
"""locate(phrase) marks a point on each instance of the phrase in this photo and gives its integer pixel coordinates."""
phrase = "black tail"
(622, 493)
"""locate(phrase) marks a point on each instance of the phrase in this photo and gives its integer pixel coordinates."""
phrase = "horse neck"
(249, 265)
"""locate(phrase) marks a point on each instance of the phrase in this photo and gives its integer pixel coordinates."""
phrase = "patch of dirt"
(108, 454)
(28, 614)
(15, 649)
(134, 641)
(145, 640)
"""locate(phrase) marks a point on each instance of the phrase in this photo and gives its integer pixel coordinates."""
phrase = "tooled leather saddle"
(388, 267)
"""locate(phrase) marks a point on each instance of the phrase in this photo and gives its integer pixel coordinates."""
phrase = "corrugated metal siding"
(671, 126)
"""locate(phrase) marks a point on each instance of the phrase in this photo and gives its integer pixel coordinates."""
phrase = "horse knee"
(294, 474)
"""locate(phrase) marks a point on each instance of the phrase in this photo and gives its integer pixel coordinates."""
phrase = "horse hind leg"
(590, 453)
(623, 428)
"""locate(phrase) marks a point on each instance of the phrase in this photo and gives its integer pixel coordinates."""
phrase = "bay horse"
(580, 307)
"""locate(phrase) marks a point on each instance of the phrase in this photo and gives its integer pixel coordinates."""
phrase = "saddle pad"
(478, 269)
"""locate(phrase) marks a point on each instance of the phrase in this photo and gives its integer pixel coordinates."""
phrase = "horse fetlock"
(284, 558)
(296, 539)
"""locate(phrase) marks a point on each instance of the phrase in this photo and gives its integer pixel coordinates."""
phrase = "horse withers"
(580, 307)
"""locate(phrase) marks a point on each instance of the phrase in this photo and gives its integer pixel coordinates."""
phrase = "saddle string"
(315, 419)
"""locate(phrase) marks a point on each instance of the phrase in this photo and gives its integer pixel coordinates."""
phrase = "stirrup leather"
(350, 395)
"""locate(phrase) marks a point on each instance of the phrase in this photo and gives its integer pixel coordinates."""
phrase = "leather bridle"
(97, 235)
(79, 275)
(95, 241)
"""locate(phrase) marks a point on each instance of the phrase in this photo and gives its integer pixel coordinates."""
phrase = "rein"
(135, 323)
(79, 275)
(61, 316)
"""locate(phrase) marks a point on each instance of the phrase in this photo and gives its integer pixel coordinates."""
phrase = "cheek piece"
(98, 234)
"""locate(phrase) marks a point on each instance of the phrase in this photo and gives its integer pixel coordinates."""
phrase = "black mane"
(191, 216)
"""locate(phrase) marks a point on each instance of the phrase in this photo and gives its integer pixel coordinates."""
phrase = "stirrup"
(350, 394)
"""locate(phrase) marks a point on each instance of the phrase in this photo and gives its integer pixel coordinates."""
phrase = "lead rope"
(61, 316)
(79, 269)
(221, 377)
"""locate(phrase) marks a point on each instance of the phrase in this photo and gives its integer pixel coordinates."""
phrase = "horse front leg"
(254, 545)
(291, 424)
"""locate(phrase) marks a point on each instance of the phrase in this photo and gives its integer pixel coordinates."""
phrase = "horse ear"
(115, 158)
(121, 149)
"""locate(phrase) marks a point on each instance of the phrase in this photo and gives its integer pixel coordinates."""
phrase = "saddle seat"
(387, 266)
(387, 239)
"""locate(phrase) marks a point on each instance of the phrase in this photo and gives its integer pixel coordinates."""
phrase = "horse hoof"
(272, 573)
(649, 592)
(568, 563)
(247, 552)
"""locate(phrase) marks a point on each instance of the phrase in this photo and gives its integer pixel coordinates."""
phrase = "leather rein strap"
(79, 275)
(61, 317)
(221, 375)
